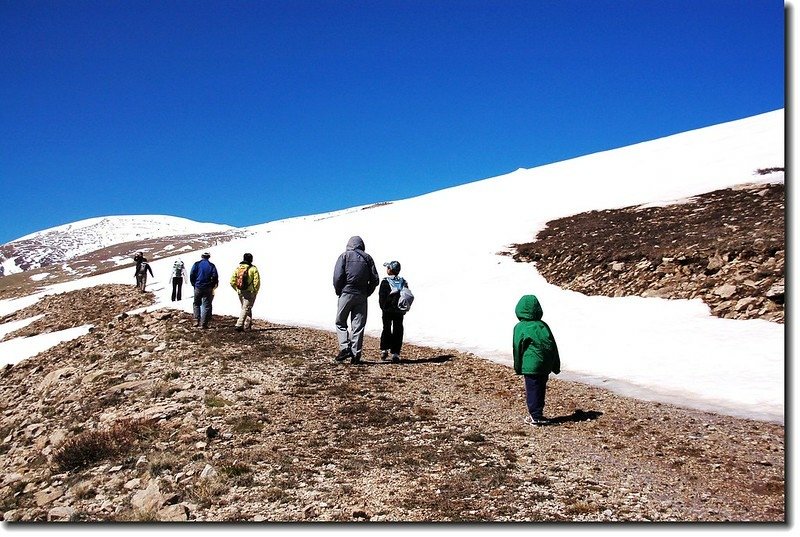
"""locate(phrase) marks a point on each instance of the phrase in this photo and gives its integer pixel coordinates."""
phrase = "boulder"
(149, 499)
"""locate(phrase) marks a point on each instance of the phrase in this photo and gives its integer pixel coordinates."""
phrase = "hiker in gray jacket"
(354, 279)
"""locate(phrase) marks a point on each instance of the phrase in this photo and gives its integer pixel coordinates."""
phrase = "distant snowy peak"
(61, 243)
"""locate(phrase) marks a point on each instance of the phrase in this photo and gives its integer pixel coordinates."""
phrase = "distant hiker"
(178, 276)
(535, 355)
(137, 258)
(204, 279)
(246, 282)
(392, 314)
(354, 279)
(142, 268)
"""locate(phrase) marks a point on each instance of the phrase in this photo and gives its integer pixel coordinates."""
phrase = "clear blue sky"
(243, 112)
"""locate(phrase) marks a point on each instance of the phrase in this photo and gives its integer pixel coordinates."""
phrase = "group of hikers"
(355, 279)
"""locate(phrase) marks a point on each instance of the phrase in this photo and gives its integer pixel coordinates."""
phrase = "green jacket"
(535, 350)
(253, 279)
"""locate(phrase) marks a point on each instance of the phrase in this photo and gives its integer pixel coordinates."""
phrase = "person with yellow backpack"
(246, 281)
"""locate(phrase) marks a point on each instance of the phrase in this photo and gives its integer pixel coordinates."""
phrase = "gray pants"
(141, 281)
(354, 307)
(246, 315)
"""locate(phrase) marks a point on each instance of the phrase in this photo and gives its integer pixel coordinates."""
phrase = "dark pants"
(202, 304)
(392, 335)
(535, 388)
(177, 285)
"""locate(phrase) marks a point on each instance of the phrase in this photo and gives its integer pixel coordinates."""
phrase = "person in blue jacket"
(204, 279)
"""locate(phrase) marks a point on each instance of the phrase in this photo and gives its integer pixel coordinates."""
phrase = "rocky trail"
(147, 418)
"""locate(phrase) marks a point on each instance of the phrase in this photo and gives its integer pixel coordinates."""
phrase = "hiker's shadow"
(442, 358)
(432, 360)
(578, 415)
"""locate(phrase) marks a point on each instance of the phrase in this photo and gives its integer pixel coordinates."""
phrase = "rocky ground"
(725, 247)
(147, 418)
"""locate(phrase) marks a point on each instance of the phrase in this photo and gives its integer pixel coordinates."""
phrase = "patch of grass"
(216, 401)
(162, 462)
(207, 491)
(580, 508)
(424, 412)
(246, 424)
(172, 375)
(475, 437)
(93, 446)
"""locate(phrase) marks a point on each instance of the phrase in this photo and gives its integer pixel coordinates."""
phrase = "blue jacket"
(355, 271)
(204, 275)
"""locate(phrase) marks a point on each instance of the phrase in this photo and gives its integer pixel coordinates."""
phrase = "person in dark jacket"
(535, 355)
(142, 268)
(391, 314)
(354, 280)
(137, 258)
(204, 279)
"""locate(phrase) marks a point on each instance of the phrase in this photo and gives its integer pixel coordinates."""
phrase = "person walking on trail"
(354, 280)
(142, 268)
(204, 279)
(178, 277)
(535, 355)
(391, 314)
(246, 281)
(137, 258)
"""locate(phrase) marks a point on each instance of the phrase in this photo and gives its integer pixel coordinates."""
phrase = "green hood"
(528, 309)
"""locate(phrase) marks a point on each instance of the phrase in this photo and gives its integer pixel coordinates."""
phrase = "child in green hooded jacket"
(535, 355)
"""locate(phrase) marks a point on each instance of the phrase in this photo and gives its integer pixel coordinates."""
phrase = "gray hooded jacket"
(355, 271)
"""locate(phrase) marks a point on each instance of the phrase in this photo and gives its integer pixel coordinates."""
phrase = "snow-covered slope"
(62, 243)
(448, 243)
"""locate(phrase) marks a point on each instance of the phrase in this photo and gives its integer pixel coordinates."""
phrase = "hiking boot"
(197, 324)
(384, 355)
(238, 328)
(355, 360)
(396, 358)
(343, 355)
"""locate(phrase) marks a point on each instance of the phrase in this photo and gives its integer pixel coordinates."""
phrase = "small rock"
(11, 478)
(725, 291)
(173, 513)
(46, 496)
(60, 514)
(208, 472)
(133, 483)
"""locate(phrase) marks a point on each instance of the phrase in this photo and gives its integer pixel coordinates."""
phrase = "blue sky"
(243, 112)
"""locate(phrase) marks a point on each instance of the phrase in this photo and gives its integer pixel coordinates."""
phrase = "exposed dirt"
(263, 425)
(725, 247)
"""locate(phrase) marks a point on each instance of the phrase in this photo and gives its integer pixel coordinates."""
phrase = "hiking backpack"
(406, 298)
(399, 285)
(241, 277)
(177, 269)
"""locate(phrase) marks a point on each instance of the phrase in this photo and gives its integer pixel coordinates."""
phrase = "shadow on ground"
(578, 415)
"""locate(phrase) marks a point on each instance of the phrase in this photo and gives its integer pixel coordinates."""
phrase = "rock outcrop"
(725, 248)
